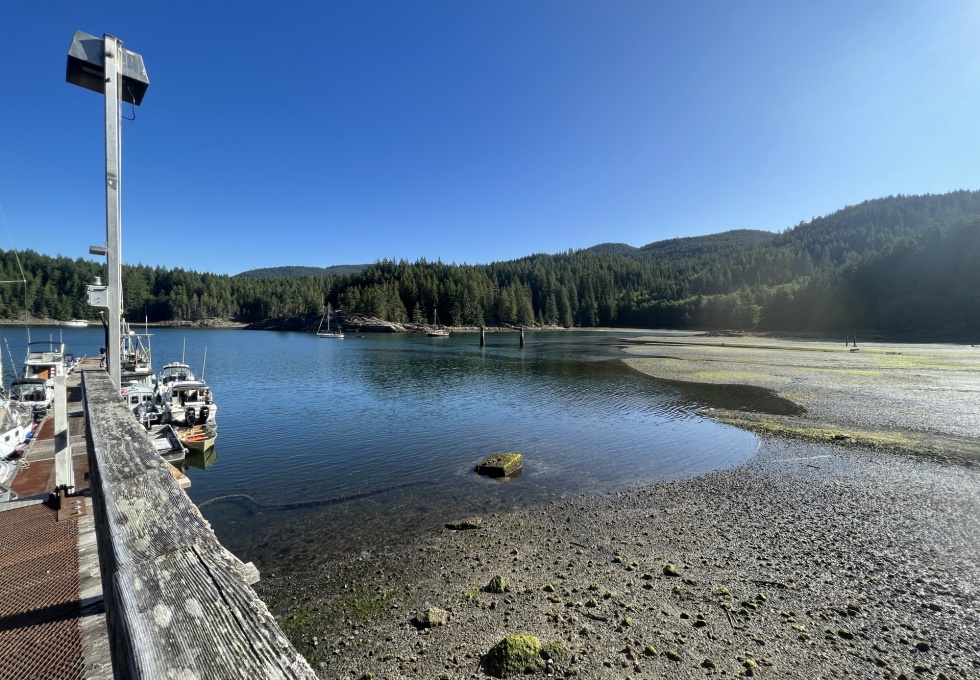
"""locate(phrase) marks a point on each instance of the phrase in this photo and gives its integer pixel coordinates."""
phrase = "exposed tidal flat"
(834, 551)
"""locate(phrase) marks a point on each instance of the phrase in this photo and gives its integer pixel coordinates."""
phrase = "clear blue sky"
(321, 133)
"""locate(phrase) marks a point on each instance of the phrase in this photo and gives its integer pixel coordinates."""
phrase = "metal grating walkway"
(39, 595)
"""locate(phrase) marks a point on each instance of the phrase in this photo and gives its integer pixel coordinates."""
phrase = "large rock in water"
(500, 464)
(512, 655)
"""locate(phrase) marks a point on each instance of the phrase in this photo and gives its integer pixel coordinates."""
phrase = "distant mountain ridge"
(295, 271)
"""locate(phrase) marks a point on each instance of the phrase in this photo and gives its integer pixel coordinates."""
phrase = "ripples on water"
(398, 421)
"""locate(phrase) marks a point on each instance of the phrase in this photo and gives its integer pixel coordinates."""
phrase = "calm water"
(342, 441)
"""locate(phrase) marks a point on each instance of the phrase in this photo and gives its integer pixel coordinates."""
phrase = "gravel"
(809, 561)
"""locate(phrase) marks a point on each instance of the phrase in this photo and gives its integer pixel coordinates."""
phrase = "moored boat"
(197, 437)
(175, 371)
(15, 425)
(75, 323)
(33, 393)
(167, 444)
(45, 360)
(328, 332)
(437, 330)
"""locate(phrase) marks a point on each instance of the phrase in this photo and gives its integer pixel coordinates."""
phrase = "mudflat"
(836, 551)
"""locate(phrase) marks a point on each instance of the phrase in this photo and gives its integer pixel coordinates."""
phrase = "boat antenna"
(205, 362)
(183, 351)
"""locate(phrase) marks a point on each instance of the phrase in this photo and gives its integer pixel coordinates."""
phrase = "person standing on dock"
(101, 357)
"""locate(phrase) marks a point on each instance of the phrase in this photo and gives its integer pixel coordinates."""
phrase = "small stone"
(707, 663)
(673, 655)
(671, 570)
(846, 634)
(922, 646)
(650, 650)
(433, 616)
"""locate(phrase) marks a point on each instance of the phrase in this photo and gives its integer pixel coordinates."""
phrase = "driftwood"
(178, 603)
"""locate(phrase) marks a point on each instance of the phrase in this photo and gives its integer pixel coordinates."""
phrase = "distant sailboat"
(437, 331)
(328, 333)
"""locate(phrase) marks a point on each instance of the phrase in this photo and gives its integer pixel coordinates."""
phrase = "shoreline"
(819, 556)
(808, 560)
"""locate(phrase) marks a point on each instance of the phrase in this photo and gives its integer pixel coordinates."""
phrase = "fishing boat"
(175, 371)
(197, 437)
(185, 399)
(135, 361)
(437, 330)
(142, 401)
(328, 332)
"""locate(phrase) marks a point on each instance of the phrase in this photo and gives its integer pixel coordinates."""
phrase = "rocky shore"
(812, 560)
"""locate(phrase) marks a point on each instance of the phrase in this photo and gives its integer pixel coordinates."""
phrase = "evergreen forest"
(901, 265)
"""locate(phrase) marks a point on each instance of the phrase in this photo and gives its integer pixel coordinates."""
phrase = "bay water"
(346, 443)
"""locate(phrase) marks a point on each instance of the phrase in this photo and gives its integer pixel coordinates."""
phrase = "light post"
(105, 66)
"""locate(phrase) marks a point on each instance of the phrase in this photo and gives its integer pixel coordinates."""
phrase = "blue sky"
(323, 133)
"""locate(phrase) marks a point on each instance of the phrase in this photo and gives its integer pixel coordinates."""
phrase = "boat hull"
(198, 438)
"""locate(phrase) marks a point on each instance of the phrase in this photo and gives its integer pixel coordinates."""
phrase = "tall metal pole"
(113, 226)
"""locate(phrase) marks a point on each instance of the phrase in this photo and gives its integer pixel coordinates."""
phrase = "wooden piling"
(483, 336)
(522, 336)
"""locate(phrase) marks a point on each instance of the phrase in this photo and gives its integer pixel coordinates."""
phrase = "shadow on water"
(734, 397)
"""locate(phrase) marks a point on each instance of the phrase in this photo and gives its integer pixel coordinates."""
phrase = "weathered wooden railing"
(178, 604)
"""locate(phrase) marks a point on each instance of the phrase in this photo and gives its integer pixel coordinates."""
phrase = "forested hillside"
(903, 264)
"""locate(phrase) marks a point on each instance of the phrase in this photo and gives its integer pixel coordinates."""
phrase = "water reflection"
(201, 460)
(333, 442)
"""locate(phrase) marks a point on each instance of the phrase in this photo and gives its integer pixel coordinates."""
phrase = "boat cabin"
(45, 360)
(174, 372)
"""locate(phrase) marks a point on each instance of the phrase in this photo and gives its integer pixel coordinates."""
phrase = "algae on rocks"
(512, 655)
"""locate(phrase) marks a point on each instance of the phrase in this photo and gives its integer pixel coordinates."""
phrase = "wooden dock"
(125, 579)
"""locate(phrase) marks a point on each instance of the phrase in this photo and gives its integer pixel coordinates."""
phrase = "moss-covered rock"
(512, 655)
(497, 585)
(500, 464)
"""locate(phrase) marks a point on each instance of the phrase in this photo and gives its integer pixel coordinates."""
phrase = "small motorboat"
(197, 437)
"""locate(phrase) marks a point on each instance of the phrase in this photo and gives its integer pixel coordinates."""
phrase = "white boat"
(185, 400)
(15, 424)
(437, 330)
(75, 323)
(328, 333)
(45, 360)
(34, 394)
(174, 371)
(142, 401)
